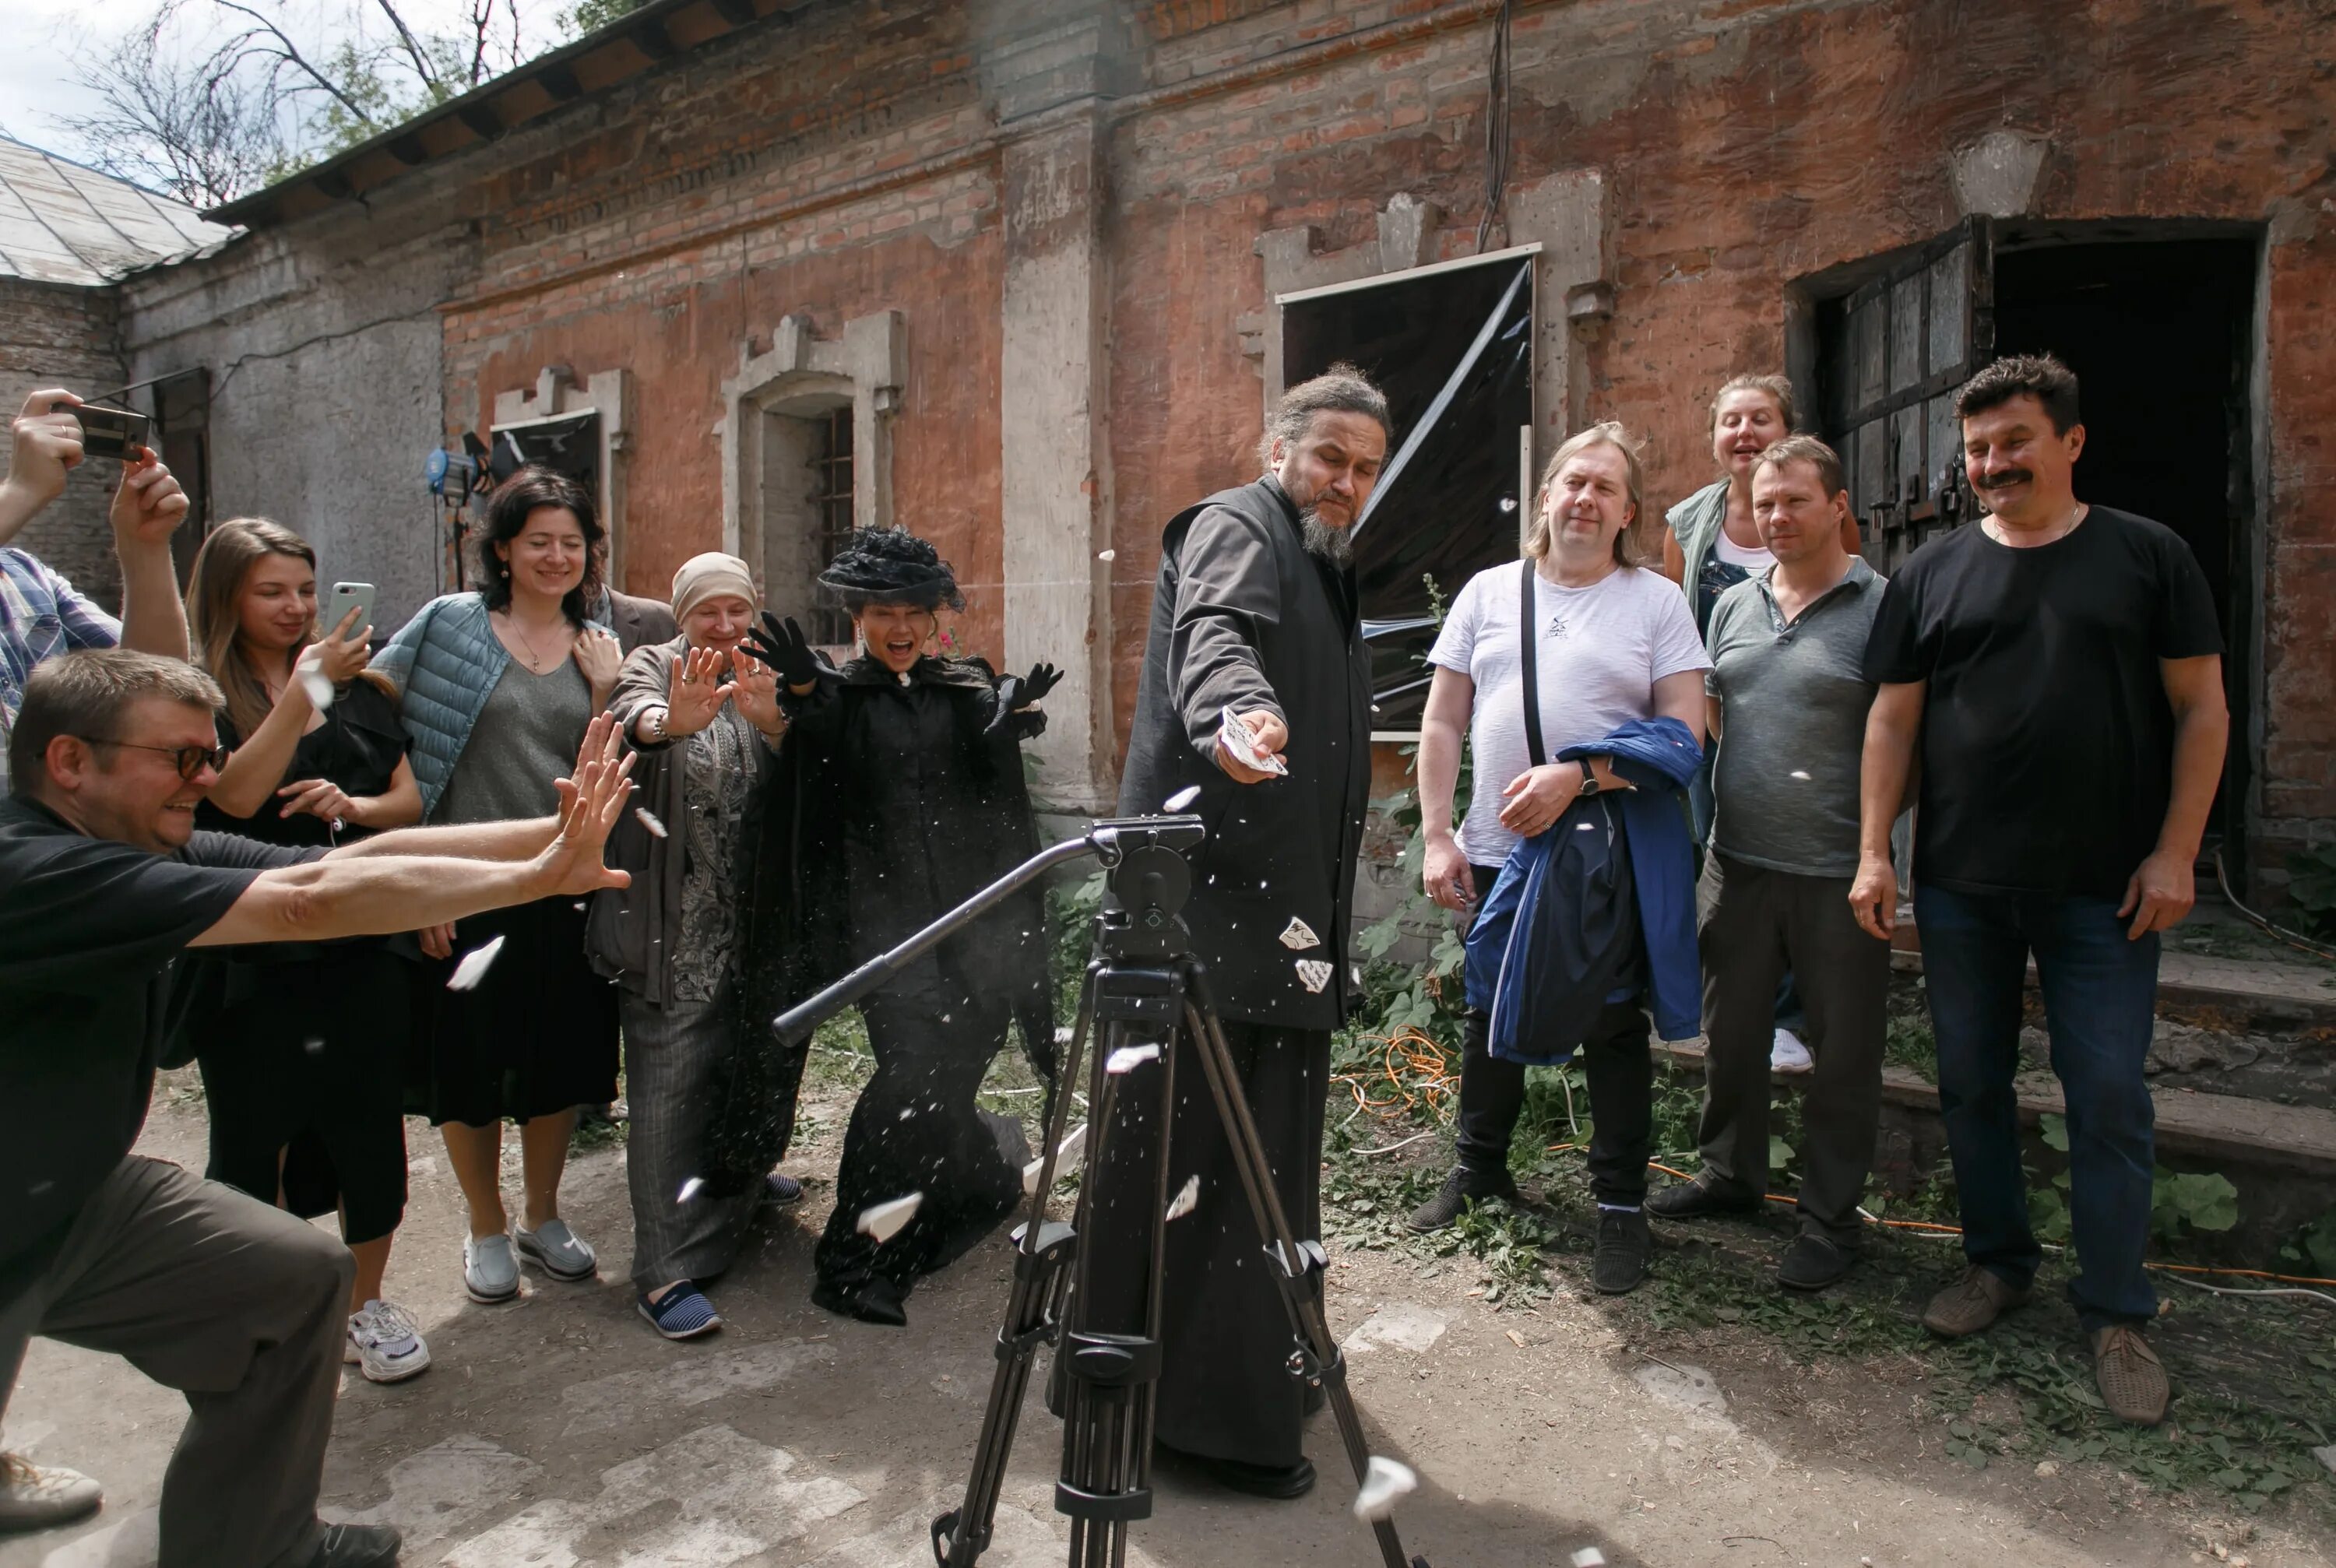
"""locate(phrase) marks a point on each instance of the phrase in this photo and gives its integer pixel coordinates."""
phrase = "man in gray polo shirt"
(1788, 697)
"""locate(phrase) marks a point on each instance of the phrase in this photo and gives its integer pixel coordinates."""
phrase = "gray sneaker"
(558, 1251)
(489, 1269)
(36, 1496)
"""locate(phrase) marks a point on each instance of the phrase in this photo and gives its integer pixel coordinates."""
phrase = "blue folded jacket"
(1575, 907)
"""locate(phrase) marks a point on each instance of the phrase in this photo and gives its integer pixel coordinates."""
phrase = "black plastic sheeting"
(1454, 351)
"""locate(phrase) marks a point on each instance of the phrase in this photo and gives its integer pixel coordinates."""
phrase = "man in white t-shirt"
(1615, 642)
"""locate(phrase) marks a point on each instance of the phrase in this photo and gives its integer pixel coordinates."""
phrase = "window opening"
(1452, 346)
(831, 503)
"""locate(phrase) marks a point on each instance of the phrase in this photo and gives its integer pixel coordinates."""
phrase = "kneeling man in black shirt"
(104, 880)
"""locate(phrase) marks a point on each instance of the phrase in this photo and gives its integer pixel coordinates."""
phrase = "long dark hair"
(520, 497)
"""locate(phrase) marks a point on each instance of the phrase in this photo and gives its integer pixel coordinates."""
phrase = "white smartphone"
(346, 596)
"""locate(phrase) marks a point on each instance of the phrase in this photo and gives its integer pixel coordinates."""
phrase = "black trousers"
(1755, 923)
(1225, 1389)
(916, 1129)
(1620, 1073)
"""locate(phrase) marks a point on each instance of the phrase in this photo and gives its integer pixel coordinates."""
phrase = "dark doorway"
(2159, 334)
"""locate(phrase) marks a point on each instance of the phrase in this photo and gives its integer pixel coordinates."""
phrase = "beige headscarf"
(702, 577)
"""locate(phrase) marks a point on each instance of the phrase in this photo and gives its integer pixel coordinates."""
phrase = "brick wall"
(54, 336)
(850, 161)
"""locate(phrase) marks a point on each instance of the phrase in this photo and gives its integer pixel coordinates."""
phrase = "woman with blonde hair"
(1611, 648)
(303, 1047)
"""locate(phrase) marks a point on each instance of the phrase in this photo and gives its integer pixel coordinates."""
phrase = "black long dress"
(303, 1047)
(897, 800)
(1243, 616)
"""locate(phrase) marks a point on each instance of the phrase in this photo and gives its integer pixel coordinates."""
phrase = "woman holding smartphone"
(303, 1047)
(497, 688)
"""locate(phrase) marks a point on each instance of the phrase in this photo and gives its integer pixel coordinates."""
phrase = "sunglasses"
(191, 759)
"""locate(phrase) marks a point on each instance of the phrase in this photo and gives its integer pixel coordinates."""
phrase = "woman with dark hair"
(498, 687)
(901, 794)
(303, 1045)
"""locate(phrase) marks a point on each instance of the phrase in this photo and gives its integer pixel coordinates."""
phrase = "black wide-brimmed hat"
(890, 566)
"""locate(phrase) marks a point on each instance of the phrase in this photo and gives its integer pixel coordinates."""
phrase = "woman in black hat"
(900, 779)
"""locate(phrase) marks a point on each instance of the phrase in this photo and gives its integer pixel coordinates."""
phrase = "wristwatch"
(1590, 785)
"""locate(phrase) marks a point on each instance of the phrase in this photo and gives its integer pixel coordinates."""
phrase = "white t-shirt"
(1602, 648)
(1754, 558)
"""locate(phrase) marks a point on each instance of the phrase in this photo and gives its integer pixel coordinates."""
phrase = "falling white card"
(1590, 1557)
(1106, 555)
(656, 828)
(1187, 1199)
(474, 965)
(1298, 936)
(1313, 973)
(1073, 1142)
(1385, 1481)
(1181, 798)
(883, 1220)
(1127, 1058)
(318, 687)
(690, 1188)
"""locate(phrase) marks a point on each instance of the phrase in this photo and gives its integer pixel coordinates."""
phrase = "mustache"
(2010, 476)
(1334, 545)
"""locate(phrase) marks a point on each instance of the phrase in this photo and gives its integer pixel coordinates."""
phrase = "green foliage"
(2313, 1250)
(591, 15)
(2179, 1203)
(2312, 886)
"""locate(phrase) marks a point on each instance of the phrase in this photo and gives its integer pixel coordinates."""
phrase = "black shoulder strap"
(1529, 664)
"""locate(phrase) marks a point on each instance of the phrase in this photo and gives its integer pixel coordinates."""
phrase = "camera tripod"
(1148, 992)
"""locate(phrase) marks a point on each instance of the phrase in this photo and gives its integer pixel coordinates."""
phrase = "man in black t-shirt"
(2060, 667)
(103, 882)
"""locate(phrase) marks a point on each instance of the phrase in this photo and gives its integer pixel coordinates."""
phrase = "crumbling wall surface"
(323, 343)
(1743, 146)
(56, 335)
(828, 169)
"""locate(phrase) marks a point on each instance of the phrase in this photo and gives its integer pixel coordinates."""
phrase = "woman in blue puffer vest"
(496, 689)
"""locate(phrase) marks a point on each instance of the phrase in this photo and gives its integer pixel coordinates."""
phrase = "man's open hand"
(590, 801)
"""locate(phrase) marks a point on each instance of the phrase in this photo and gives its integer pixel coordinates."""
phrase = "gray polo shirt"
(1792, 724)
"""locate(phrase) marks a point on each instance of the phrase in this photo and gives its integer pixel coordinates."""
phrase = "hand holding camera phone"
(110, 432)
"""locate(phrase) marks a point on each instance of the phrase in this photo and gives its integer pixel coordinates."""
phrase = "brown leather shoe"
(2132, 1378)
(1971, 1303)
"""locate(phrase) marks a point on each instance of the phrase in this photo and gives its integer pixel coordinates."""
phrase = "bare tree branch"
(288, 53)
(412, 45)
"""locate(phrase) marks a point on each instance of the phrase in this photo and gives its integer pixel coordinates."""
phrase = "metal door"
(1893, 353)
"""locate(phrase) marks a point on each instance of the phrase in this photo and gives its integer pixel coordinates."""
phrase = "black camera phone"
(110, 432)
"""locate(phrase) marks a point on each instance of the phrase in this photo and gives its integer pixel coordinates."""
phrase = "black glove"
(784, 646)
(1042, 679)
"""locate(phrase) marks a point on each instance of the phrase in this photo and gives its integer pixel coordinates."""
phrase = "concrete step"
(2211, 1129)
(2242, 994)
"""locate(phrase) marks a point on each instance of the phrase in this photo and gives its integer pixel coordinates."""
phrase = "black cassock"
(1243, 616)
(896, 801)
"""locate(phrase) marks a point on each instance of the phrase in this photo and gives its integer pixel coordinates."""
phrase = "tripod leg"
(1043, 1250)
(1295, 1269)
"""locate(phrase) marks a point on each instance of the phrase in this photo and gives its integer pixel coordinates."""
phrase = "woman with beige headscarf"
(703, 719)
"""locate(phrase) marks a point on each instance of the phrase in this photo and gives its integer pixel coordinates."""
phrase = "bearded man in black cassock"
(1255, 613)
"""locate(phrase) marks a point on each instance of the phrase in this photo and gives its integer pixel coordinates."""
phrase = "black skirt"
(302, 1065)
(537, 1035)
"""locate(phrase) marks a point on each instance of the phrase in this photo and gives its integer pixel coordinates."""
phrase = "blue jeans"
(2100, 993)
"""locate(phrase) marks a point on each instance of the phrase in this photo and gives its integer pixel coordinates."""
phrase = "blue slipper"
(682, 1313)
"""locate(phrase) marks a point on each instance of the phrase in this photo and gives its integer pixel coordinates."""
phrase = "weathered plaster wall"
(323, 344)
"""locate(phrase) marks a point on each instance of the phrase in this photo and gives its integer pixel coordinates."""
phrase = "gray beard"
(1324, 543)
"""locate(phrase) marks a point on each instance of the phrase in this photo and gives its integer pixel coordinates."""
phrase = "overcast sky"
(46, 41)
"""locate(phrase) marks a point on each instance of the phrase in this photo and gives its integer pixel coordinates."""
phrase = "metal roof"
(61, 222)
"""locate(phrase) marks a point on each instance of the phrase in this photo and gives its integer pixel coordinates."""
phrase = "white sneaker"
(36, 1496)
(383, 1345)
(1788, 1055)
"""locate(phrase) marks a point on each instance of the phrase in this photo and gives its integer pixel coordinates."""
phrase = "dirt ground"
(560, 1431)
